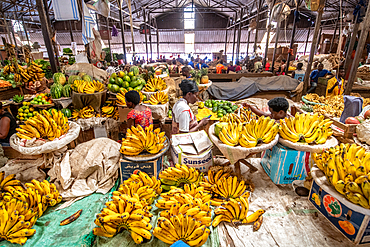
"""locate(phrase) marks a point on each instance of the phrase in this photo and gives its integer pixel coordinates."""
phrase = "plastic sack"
(103, 7)
(48, 146)
(330, 142)
(81, 100)
(234, 154)
(363, 131)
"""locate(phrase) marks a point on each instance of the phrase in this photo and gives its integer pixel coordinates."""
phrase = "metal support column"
(228, 22)
(249, 36)
(146, 37)
(239, 35)
(25, 30)
(46, 34)
(296, 16)
(70, 31)
(150, 37)
(234, 40)
(267, 38)
(276, 41)
(313, 45)
(122, 31)
(110, 49)
(360, 49)
(257, 21)
(308, 36)
(157, 32)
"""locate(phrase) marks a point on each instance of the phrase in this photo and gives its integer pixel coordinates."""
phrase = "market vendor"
(139, 115)
(186, 72)
(278, 108)
(183, 118)
(336, 84)
(315, 75)
(8, 126)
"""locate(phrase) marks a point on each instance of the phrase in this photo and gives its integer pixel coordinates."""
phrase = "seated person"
(278, 109)
(336, 84)
(315, 75)
(8, 126)
(139, 115)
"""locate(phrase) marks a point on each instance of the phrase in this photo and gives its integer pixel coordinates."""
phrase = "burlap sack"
(96, 100)
(159, 112)
(330, 142)
(89, 69)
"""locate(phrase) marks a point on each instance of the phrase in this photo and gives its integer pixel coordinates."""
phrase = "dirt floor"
(290, 220)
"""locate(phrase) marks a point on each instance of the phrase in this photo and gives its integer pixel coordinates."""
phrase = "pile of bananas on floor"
(186, 199)
(21, 206)
(44, 125)
(347, 168)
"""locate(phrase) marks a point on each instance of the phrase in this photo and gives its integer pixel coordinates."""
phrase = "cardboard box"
(152, 168)
(284, 165)
(342, 214)
(193, 150)
(123, 111)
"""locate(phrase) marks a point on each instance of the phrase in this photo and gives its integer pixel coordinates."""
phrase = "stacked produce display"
(21, 206)
(26, 111)
(44, 125)
(126, 81)
(347, 168)
(159, 98)
(220, 107)
(87, 87)
(155, 85)
(86, 112)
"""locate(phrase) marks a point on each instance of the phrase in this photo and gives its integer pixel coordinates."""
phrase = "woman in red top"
(139, 115)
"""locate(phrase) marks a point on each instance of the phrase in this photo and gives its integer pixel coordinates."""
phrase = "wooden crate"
(347, 129)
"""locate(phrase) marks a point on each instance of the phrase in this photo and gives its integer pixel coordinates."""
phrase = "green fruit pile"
(125, 80)
(221, 107)
(25, 112)
(39, 100)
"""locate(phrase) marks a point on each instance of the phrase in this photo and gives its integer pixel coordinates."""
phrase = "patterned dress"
(143, 118)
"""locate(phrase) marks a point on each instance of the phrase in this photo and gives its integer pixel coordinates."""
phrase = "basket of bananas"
(144, 144)
(155, 85)
(44, 132)
(237, 140)
(306, 132)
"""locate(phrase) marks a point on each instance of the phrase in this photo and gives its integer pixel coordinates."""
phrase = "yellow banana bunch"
(142, 191)
(213, 176)
(158, 98)
(152, 182)
(137, 140)
(191, 194)
(121, 100)
(110, 110)
(47, 190)
(13, 225)
(264, 130)
(34, 72)
(180, 174)
(155, 84)
(86, 112)
(347, 168)
(230, 134)
(7, 185)
(88, 87)
(44, 125)
(306, 128)
(181, 227)
(230, 187)
(232, 211)
(124, 213)
(233, 117)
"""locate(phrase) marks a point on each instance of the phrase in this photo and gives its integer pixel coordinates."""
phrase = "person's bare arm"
(256, 111)
(4, 127)
(130, 123)
(202, 123)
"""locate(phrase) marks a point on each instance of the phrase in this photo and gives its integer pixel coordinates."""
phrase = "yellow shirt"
(338, 90)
